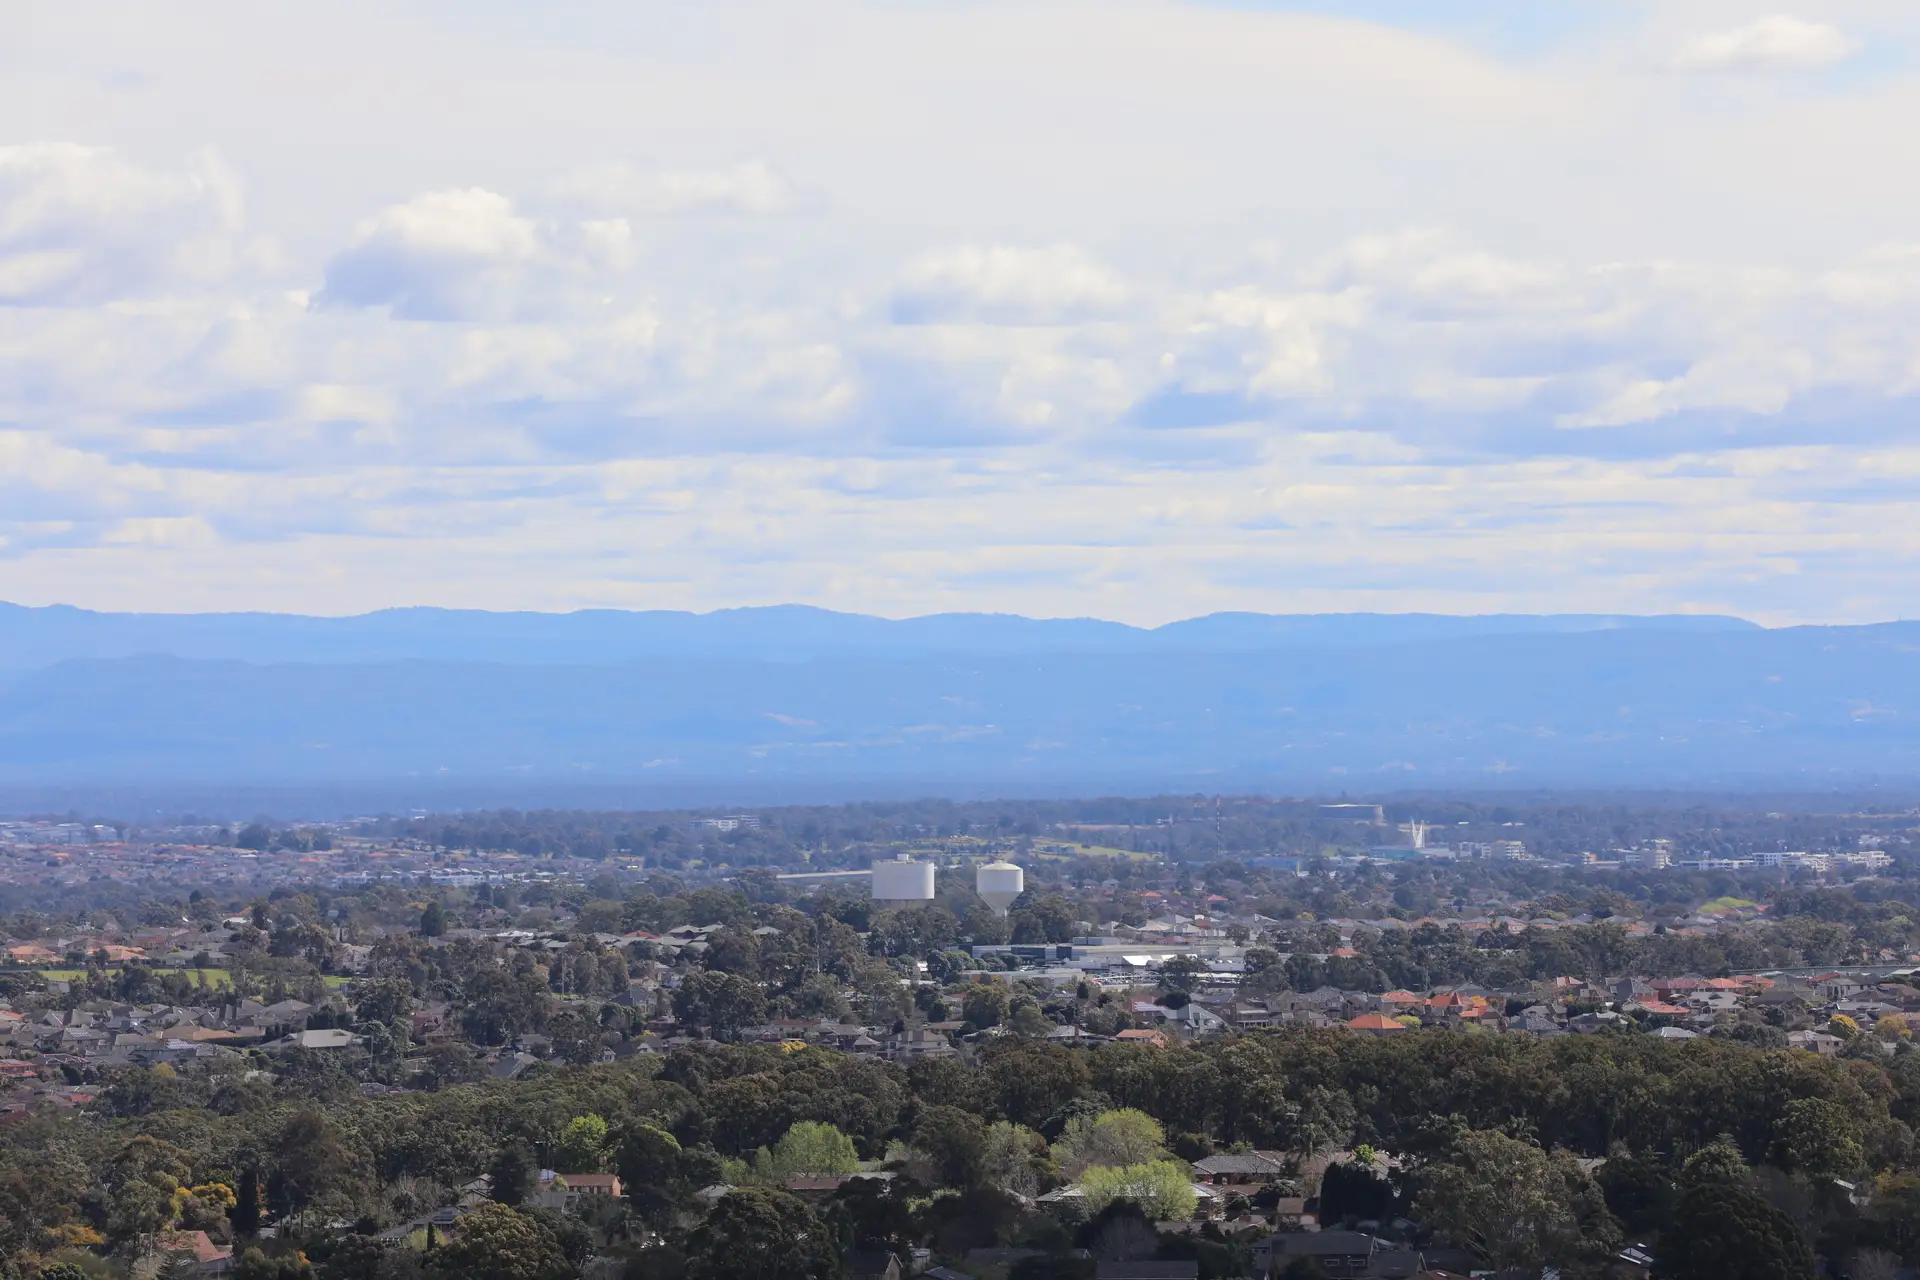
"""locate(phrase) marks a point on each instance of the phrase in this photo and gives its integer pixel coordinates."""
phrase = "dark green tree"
(722, 1002)
(762, 1233)
(1724, 1231)
(501, 1244)
(512, 1173)
(955, 1140)
(245, 1213)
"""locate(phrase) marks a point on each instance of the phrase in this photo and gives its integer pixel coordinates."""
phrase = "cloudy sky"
(1130, 308)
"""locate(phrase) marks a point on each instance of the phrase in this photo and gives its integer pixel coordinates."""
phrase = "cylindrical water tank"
(998, 884)
(903, 881)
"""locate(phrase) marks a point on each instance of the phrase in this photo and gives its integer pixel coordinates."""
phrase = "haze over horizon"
(800, 701)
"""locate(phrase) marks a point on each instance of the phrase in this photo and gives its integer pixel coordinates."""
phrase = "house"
(508, 1066)
(1375, 1024)
(1835, 986)
(1338, 1253)
(328, 1038)
(1157, 1039)
(1716, 1001)
(1249, 1015)
(209, 1258)
(1536, 1021)
(1197, 1020)
(1290, 1213)
(918, 1042)
(568, 1191)
(1827, 1046)
(1254, 1167)
(1655, 1009)
(872, 1264)
(822, 1187)
(1588, 1024)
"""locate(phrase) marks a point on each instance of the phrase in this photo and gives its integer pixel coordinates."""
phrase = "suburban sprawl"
(1187, 1037)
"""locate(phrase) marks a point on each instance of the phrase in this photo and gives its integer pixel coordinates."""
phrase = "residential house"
(917, 1042)
(327, 1038)
(1592, 1023)
(1290, 1214)
(568, 1191)
(1337, 1253)
(209, 1258)
(1836, 986)
(1375, 1024)
(1249, 1015)
(1536, 1020)
(1827, 1046)
(1195, 1019)
(1251, 1168)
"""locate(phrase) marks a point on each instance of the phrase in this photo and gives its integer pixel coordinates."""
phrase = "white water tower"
(903, 882)
(998, 884)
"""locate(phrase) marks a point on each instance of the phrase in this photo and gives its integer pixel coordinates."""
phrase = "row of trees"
(1025, 1115)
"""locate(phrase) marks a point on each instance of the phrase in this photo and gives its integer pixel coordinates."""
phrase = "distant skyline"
(1136, 309)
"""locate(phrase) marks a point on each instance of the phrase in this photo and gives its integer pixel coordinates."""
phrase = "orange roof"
(1374, 1022)
(197, 1243)
(1401, 997)
(609, 1183)
(1344, 953)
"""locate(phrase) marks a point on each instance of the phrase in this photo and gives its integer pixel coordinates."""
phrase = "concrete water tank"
(903, 881)
(998, 884)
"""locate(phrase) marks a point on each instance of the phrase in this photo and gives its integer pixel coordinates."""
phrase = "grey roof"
(1251, 1162)
(1319, 1244)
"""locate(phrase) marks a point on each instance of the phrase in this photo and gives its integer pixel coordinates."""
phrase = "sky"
(1136, 309)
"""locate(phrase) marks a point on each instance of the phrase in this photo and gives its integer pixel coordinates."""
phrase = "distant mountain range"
(782, 633)
(953, 702)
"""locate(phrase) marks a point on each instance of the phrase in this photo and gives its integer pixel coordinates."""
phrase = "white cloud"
(467, 255)
(1003, 285)
(81, 224)
(1198, 307)
(749, 189)
(1775, 43)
